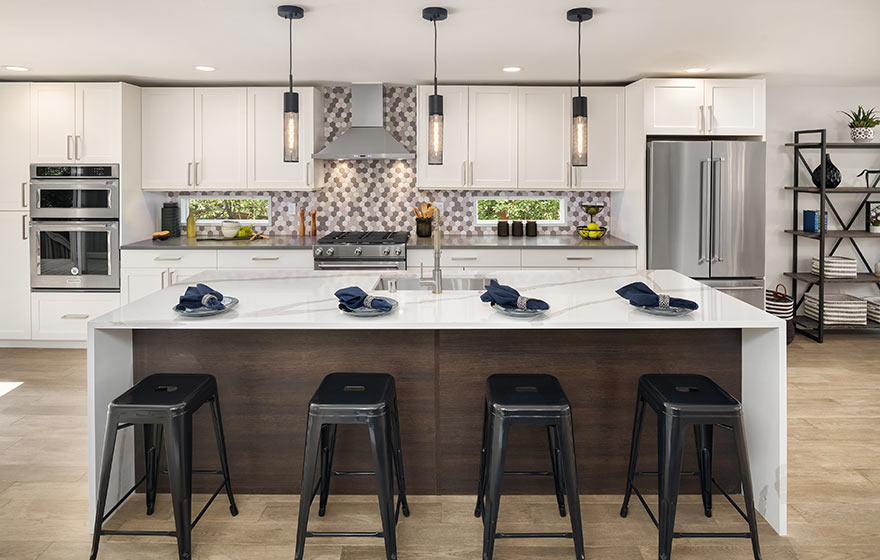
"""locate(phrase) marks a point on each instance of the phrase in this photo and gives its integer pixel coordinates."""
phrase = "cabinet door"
(140, 282)
(492, 136)
(15, 101)
(65, 315)
(674, 106)
(53, 125)
(221, 138)
(453, 171)
(177, 276)
(735, 107)
(265, 147)
(544, 132)
(167, 138)
(98, 123)
(605, 134)
(15, 282)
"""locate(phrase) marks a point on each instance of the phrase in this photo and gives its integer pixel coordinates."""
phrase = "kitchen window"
(546, 210)
(214, 210)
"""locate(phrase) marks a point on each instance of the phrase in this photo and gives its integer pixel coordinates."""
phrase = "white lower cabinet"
(65, 316)
(265, 258)
(140, 282)
(578, 258)
(465, 259)
(15, 282)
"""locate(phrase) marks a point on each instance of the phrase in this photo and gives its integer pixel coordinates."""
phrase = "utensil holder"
(531, 229)
(503, 228)
(423, 227)
(517, 229)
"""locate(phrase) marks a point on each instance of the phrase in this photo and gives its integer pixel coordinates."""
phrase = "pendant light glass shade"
(291, 127)
(435, 101)
(579, 131)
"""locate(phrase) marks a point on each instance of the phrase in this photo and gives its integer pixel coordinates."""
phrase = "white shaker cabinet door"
(735, 107)
(15, 99)
(544, 130)
(98, 136)
(492, 137)
(605, 137)
(453, 171)
(167, 138)
(140, 282)
(53, 124)
(15, 282)
(220, 138)
(265, 161)
(675, 106)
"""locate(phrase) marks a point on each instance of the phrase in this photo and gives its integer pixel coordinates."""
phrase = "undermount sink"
(387, 283)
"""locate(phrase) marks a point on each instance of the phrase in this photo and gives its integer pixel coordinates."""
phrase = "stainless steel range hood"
(367, 137)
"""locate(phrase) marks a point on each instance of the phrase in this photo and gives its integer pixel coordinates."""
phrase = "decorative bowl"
(229, 228)
(587, 233)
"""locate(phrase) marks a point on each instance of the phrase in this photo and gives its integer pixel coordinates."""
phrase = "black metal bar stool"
(527, 399)
(679, 400)
(354, 398)
(164, 402)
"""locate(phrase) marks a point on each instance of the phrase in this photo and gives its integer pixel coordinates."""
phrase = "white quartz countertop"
(582, 299)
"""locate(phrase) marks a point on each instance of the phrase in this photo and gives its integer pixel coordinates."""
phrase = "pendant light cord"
(290, 56)
(435, 56)
(580, 24)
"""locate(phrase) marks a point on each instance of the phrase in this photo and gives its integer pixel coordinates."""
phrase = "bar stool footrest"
(534, 536)
(378, 534)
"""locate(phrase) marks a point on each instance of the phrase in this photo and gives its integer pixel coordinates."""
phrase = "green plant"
(861, 118)
(875, 221)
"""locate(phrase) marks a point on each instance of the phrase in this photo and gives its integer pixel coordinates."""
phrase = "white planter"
(875, 229)
(861, 135)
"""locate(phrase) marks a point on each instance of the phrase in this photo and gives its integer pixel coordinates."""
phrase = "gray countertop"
(448, 242)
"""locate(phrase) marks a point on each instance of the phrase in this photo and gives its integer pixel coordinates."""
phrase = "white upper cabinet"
(453, 171)
(544, 131)
(167, 138)
(704, 107)
(735, 107)
(76, 122)
(220, 160)
(15, 100)
(265, 147)
(605, 137)
(492, 137)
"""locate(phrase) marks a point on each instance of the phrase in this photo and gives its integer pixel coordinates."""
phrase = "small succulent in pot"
(875, 225)
(861, 124)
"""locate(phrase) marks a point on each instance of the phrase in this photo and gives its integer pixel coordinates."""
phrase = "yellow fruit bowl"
(588, 233)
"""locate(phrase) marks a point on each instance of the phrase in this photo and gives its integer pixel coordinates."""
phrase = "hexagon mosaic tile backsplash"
(379, 195)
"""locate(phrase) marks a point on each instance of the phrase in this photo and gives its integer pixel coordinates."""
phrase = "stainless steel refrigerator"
(706, 213)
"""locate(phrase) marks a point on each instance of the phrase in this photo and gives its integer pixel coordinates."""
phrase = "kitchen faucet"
(437, 275)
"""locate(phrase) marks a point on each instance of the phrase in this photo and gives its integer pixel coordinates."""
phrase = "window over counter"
(214, 209)
(546, 210)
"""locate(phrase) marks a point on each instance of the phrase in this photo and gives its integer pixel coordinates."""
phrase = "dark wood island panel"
(266, 378)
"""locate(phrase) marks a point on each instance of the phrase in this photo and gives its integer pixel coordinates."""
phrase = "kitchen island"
(270, 352)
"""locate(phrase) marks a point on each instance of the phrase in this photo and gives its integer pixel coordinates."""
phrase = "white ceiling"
(159, 42)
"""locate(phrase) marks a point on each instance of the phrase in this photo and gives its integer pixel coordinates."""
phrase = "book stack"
(840, 309)
(837, 267)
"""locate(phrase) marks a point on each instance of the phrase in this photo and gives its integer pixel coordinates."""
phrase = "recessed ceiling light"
(16, 68)
(512, 68)
(695, 70)
(205, 68)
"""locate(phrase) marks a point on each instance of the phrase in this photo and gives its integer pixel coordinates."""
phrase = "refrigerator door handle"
(718, 188)
(705, 214)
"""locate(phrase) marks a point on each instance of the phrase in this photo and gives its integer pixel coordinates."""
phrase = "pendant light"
(435, 101)
(291, 99)
(579, 135)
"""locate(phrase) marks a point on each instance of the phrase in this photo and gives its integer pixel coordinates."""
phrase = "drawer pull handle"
(578, 258)
(464, 258)
(167, 258)
(75, 316)
(265, 258)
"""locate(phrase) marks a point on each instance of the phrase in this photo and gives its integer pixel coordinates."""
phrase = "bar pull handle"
(76, 141)
(24, 195)
(24, 226)
(471, 166)
(578, 258)
(704, 212)
(265, 258)
(702, 119)
(69, 138)
(717, 187)
(162, 278)
(463, 172)
(196, 173)
(189, 167)
(160, 259)
(464, 258)
(75, 316)
(308, 173)
(711, 116)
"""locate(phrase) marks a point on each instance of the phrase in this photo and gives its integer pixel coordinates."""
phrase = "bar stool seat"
(164, 402)
(513, 399)
(679, 400)
(354, 398)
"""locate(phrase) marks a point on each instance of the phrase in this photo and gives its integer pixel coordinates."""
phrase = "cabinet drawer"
(263, 258)
(170, 258)
(485, 258)
(60, 316)
(578, 258)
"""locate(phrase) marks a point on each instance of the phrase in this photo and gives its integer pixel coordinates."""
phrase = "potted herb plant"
(861, 124)
(875, 224)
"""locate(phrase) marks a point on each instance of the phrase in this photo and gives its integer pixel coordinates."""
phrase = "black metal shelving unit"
(803, 324)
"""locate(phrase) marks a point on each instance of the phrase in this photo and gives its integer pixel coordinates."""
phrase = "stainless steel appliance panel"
(679, 205)
(75, 255)
(74, 199)
(738, 216)
(749, 290)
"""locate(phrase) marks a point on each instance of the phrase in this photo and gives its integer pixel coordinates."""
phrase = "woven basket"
(781, 305)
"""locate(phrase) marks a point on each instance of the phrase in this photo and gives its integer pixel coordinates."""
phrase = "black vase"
(832, 174)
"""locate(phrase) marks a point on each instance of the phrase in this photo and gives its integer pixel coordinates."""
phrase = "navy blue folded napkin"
(641, 295)
(507, 297)
(199, 296)
(352, 298)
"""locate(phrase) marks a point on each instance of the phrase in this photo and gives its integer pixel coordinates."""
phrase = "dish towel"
(200, 296)
(507, 297)
(352, 298)
(641, 295)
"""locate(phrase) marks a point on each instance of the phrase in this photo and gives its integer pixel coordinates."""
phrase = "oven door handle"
(357, 265)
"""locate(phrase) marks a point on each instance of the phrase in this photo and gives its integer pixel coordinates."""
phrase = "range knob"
(386, 251)
(398, 251)
(330, 251)
(318, 251)
(358, 250)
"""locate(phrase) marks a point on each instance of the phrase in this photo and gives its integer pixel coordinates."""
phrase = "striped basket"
(781, 305)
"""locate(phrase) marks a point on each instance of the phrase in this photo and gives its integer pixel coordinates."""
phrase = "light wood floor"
(834, 485)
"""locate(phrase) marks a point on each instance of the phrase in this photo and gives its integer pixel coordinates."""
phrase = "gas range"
(358, 250)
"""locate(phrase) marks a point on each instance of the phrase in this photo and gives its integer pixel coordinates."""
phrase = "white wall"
(791, 108)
